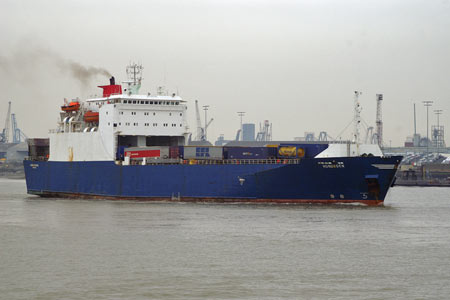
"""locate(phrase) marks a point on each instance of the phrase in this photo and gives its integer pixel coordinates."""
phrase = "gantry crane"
(18, 135)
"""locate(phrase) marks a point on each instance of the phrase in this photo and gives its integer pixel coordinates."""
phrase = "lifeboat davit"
(91, 116)
(72, 106)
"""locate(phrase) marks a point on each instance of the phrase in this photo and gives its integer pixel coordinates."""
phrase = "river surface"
(95, 249)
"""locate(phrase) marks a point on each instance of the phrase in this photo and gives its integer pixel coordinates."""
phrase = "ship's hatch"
(373, 187)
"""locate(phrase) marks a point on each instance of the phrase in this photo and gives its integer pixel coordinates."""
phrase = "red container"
(143, 153)
(174, 152)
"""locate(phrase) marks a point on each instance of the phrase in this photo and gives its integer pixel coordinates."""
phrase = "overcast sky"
(295, 63)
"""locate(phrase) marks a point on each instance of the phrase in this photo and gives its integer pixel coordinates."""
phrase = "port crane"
(4, 136)
(17, 135)
(265, 132)
(201, 131)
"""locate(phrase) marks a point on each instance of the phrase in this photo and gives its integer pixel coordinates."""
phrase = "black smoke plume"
(23, 62)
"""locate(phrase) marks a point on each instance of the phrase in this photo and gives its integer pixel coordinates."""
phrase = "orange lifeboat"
(91, 116)
(72, 106)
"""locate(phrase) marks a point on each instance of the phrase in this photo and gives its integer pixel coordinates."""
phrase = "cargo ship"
(125, 145)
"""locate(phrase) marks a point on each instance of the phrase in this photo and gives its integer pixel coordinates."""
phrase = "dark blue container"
(249, 152)
(120, 152)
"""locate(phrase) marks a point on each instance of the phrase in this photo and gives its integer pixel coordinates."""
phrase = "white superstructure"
(141, 115)
(124, 119)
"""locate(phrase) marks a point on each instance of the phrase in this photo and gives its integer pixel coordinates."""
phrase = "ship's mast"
(134, 72)
(357, 118)
(379, 121)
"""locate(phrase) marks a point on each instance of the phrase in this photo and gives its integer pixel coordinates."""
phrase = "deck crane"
(4, 136)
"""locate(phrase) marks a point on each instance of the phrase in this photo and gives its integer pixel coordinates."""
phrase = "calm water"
(79, 249)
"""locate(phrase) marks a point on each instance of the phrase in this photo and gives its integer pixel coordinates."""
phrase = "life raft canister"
(287, 151)
(300, 152)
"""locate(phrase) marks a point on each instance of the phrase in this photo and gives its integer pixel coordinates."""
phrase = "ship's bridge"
(141, 114)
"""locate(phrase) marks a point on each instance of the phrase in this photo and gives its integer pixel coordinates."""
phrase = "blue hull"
(327, 180)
